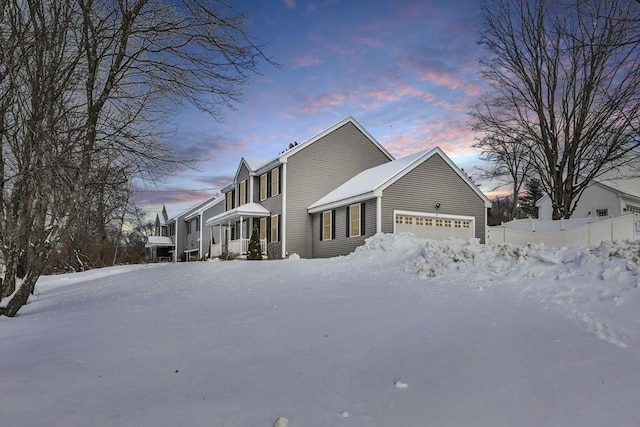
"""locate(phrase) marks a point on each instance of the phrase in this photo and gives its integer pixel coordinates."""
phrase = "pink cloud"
(307, 60)
(289, 4)
(441, 79)
(368, 41)
(324, 101)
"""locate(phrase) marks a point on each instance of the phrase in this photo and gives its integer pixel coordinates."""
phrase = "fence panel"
(570, 232)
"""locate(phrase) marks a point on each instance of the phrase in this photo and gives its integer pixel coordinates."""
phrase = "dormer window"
(243, 192)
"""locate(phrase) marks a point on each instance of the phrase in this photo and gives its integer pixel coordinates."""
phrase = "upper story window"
(243, 192)
(263, 186)
(275, 182)
(229, 200)
(197, 223)
(602, 212)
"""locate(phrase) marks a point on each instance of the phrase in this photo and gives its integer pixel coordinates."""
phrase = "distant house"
(611, 195)
(323, 197)
(159, 247)
(184, 237)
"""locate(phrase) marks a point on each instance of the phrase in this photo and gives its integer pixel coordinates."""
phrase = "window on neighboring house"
(327, 232)
(632, 209)
(355, 220)
(263, 228)
(229, 200)
(243, 192)
(263, 186)
(275, 228)
(275, 182)
(602, 212)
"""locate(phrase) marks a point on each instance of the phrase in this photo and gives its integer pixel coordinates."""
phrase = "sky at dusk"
(405, 70)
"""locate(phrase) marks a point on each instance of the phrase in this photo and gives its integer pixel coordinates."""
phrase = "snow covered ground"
(403, 332)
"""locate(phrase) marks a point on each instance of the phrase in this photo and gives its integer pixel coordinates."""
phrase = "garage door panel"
(434, 226)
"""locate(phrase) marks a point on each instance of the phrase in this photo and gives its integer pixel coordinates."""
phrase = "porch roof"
(247, 210)
(158, 242)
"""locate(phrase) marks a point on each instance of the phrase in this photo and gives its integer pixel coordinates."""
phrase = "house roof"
(198, 207)
(371, 182)
(284, 156)
(158, 241)
(259, 166)
(247, 210)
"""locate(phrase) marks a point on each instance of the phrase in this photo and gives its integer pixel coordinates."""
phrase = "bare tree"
(82, 80)
(564, 86)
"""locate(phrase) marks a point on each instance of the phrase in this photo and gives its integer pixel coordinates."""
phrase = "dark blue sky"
(406, 70)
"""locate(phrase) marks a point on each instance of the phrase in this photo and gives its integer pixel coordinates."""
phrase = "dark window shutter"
(279, 228)
(362, 219)
(333, 224)
(347, 216)
(279, 179)
(321, 219)
(269, 186)
(268, 229)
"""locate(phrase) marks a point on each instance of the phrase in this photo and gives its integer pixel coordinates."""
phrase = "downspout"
(201, 233)
(378, 214)
(175, 247)
(283, 225)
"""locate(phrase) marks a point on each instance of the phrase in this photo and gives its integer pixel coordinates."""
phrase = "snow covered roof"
(371, 182)
(247, 210)
(158, 241)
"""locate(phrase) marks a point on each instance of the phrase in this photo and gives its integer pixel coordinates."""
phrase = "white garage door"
(434, 226)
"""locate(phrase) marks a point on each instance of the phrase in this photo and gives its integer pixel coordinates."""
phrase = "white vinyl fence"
(569, 232)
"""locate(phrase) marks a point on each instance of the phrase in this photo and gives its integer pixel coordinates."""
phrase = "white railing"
(216, 250)
(238, 247)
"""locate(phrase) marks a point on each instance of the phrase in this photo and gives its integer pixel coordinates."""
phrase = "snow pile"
(598, 286)
(403, 332)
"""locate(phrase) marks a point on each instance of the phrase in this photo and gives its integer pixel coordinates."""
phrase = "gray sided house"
(424, 193)
(273, 196)
(324, 196)
(184, 236)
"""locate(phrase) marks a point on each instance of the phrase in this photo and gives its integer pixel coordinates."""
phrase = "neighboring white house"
(611, 195)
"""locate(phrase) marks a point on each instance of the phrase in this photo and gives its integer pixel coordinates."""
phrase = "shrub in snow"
(255, 251)
(294, 256)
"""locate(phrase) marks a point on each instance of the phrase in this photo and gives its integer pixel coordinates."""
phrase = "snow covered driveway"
(401, 333)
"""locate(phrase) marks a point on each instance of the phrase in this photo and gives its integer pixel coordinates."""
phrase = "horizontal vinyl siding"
(433, 182)
(243, 174)
(343, 245)
(318, 169)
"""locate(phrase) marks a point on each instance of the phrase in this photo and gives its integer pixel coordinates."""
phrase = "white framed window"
(275, 182)
(243, 192)
(428, 222)
(229, 200)
(327, 225)
(399, 219)
(263, 228)
(263, 186)
(632, 209)
(275, 227)
(602, 212)
(354, 220)
(438, 222)
(408, 220)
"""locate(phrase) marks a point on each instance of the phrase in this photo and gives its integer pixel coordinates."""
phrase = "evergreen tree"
(255, 251)
(528, 201)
